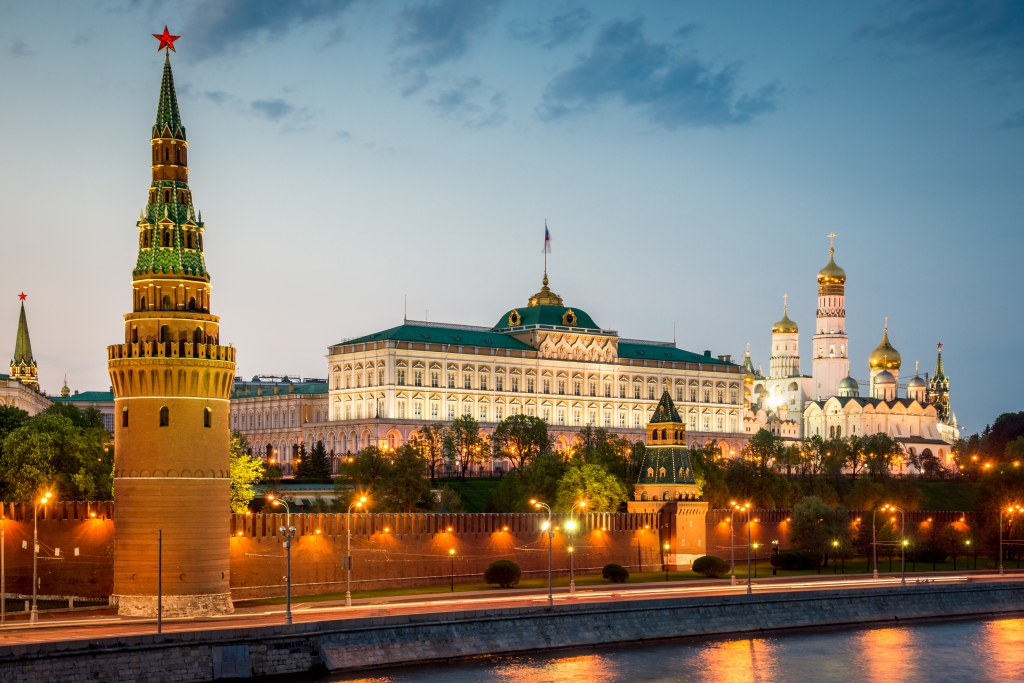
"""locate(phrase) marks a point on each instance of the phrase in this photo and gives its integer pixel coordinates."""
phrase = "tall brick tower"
(172, 381)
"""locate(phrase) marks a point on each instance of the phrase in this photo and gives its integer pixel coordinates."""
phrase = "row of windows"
(179, 156)
(165, 417)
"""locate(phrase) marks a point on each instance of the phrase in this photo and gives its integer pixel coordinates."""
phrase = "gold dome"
(545, 297)
(784, 326)
(885, 357)
(831, 274)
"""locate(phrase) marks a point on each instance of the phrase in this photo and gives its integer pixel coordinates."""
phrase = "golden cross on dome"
(886, 322)
(785, 304)
(831, 241)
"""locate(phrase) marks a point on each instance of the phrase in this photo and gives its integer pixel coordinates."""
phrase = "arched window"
(207, 417)
(654, 435)
(142, 304)
(664, 434)
(197, 336)
(650, 471)
(664, 496)
(167, 302)
(662, 473)
(177, 154)
(124, 417)
(167, 157)
(165, 417)
(165, 333)
(192, 303)
(643, 496)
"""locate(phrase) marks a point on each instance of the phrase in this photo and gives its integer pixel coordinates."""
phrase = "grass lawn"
(947, 495)
(853, 567)
(474, 492)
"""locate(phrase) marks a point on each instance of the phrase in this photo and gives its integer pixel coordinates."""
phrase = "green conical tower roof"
(23, 345)
(168, 120)
(666, 411)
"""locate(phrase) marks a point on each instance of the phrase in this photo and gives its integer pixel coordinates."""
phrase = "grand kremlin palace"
(544, 359)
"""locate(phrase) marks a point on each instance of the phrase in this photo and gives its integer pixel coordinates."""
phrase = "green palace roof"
(631, 349)
(451, 334)
(557, 316)
(87, 397)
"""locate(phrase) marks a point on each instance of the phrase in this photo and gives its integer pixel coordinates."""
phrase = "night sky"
(690, 159)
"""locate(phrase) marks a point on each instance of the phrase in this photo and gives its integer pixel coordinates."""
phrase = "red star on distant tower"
(22, 296)
(166, 40)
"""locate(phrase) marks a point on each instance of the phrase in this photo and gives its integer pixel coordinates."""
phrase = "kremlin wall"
(389, 550)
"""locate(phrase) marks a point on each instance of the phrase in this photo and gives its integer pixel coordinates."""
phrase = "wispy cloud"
(458, 102)
(273, 109)
(20, 49)
(557, 30)
(673, 90)
(218, 26)
(992, 30)
(1016, 120)
(429, 33)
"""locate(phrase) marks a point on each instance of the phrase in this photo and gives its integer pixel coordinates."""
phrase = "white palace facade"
(544, 359)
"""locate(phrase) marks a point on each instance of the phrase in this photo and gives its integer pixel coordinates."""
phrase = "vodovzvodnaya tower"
(172, 381)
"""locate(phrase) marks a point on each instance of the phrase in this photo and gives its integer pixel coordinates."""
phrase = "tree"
(616, 454)
(430, 442)
(405, 486)
(505, 573)
(810, 526)
(953, 540)
(245, 470)
(880, 450)
(710, 566)
(85, 419)
(602, 491)
(539, 480)
(315, 465)
(708, 474)
(470, 447)
(49, 452)
(10, 419)
(521, 439)
(365, 472)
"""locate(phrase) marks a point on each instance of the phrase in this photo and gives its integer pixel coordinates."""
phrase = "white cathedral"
(828, 402)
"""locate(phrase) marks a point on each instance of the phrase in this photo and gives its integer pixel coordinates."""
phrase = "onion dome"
(885, 357)
(785, 325)
(848, 387)
(831, 273)
(885, 378)
(916, 383)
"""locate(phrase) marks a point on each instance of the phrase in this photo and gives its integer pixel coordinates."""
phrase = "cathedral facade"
(829, 401)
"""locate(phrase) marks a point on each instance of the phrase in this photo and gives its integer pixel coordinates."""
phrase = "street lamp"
(745, 507)
(348, 553)
(1011, 509)
(570, 526)
(288, 533)
(451, 552)
(903, 542)
(755, 545)
(35, 554)
(835, 557)
(546, 526)
(663, 560)
(874, 546)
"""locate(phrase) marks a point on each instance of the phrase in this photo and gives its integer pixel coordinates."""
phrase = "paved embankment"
(418, 638)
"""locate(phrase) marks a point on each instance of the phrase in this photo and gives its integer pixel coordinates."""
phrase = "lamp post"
(546, 526)
(35, 555)
(835, 557)
(1011, 509)
(451, 553)
(663, 560)
(288, 533)
(874, 546)
(755, 545)
(745, 507)
(348, 553)
(570, 526)
(903, 542)
(732, 543)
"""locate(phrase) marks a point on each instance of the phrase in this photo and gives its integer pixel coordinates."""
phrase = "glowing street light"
(35, 554)
(570, 526)
(451, 553)
(1010, 510)
(546, 526)
(348, 553)
(745, 507)
(288, 533)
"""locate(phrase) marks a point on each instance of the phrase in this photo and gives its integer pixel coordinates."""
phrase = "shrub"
(615, 573)
(505, 573)
(710, 566)
(795, 559)
(929, 553)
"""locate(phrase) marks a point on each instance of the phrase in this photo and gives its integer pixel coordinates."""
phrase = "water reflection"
(925, 653)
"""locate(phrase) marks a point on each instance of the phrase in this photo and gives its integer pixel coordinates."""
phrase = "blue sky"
(690, 159)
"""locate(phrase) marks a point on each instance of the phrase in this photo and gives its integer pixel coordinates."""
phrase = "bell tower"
(830, 362)
(172, 382)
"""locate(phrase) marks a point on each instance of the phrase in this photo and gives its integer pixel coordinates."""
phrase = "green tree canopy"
(470, 447)
(522, 439)
(709, 475)
(316, 464)
(49, 452)
(602, 491)
(364, 474)
(810, 528)
(10, 419)
(430, 442)
(245, 471)
(405, 487)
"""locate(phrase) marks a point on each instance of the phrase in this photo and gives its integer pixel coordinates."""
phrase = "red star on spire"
(22, 296)
(166, 40)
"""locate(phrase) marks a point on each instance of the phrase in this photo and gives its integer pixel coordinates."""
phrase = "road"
(107, 625)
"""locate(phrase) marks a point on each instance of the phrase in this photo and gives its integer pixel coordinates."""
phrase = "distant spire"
(64, 390)
(22, 344)
(167, 116)
(940, 369)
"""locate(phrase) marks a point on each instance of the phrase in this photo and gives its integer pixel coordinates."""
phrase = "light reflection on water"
(925, 653)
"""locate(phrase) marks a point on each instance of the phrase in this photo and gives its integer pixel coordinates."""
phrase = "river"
(990, 650)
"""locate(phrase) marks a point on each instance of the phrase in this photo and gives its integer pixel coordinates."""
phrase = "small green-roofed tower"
(666, 473)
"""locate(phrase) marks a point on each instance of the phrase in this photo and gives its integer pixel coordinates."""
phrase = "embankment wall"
(347, 645)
